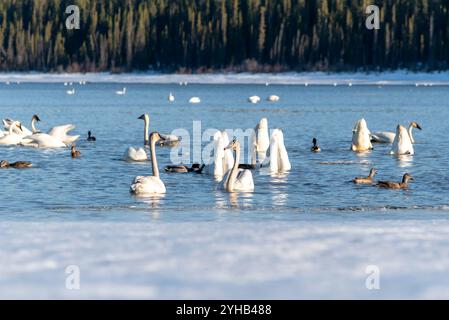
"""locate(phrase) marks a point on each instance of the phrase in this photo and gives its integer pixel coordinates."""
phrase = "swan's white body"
(194, 100)
(402, 143)
(7, 123)
(11, 138)
(260, 142)
(71, 92)
(171, 97)
(135, 155)
(254, 99)
(150, 185)
(42, 140)
(60, 133)
(361, 140)
(121, 92)
(278, 160)
(273, 98)
(237, 180)
(388, 137)
(217, 168)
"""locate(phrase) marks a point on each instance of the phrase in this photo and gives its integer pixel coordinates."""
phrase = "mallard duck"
(396, 185)
(366, 180)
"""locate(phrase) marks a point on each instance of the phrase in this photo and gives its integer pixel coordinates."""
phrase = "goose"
(171, 97)
(71, 92)
(195, 100)
(169, 140)
(366, 180)
(75, 153)
(152, 184)
(254, 99)
(315, 147)
(260, 142)
(361, 137)
(396, 185)
(12, 138)
(402, 143)
(273, 98)
(237, 180)
(90, 137)
(60, 133)
(278, 160)
(17, 165)
(121, 92)
(388, 137)
(196, 168)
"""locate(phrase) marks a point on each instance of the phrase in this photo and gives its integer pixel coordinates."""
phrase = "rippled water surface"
(96, 186)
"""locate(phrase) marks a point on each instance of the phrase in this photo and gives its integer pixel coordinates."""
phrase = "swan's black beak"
(418, 127)
(36, 117)
(142, 117)
(20, 126)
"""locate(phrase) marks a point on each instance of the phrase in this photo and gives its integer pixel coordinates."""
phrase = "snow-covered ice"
(307, 258)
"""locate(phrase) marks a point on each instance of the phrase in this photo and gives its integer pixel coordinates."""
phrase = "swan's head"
(415, 125)
(35, 118)
(234, 145)
(372, 172)
(18, 125)
(155, 137)
(407, 177)
(145, 117)
(4, 164)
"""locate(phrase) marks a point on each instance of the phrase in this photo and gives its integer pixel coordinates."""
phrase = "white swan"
(167, 139)
(195, 100)
(216, 168)
(137, 155)
(152, 184)
(278, 160)
(41, 140)
(171, 97)
(71, 92)
(7, 123)
(237, 180)
(273, 98)
(121, 92)
(260, 142)
(254, 99)
(402, 143)
(361, 137)
(12, 138)
(60, 133)
(388, 137)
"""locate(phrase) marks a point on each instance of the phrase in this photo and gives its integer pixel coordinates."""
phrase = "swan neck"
(410, 129)
(234, 172)
(33, 126)
(145, 132)
(154, 160)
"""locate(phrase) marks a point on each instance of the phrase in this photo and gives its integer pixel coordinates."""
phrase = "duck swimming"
(196, 168)
(366, 180)
(315, 147)
(396, 185)
(90, 137)
(17, 165)
(75, 153)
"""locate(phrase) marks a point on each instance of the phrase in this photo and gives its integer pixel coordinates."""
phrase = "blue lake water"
(96, 186)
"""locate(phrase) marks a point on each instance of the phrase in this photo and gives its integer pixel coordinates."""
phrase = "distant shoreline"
(286, 78)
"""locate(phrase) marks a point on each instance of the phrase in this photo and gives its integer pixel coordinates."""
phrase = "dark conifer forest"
(223, 35)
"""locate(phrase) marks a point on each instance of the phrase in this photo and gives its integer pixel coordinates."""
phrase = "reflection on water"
(98, 183)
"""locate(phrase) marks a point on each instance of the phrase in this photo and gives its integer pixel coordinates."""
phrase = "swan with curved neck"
(150, 185)
(402, 144)
(42, 140)
(388, 137)
(361, 137)
(238, 180)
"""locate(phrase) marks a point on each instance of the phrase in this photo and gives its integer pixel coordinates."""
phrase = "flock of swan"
(267, 151)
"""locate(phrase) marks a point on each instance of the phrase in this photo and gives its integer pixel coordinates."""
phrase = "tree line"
(223, 35)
